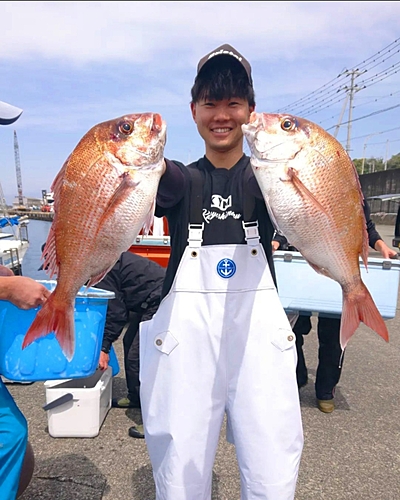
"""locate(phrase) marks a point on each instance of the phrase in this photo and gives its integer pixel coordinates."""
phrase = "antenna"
(18, 170)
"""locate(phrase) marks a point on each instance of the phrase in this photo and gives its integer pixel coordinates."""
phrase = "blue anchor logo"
(226, 268)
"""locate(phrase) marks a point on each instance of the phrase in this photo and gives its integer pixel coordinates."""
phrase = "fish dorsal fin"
(49, 254)
(365, 245)
(57, 183)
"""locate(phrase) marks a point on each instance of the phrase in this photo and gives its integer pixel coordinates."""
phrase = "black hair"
(222, 78)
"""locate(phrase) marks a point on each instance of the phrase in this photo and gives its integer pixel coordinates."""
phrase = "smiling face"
(220, 124)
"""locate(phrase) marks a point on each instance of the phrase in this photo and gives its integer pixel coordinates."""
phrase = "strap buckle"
(252, 235)
(195, 234)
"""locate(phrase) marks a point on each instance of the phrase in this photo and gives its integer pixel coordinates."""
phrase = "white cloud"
(138, 32)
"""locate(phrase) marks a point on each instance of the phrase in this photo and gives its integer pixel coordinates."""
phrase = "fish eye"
(288, 124)
(126, 128)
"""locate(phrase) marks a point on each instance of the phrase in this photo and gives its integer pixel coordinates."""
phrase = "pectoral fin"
(122, 192)
(149, 220)
(303, 190)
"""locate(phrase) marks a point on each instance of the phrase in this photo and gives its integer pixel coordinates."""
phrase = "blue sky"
(71, 65)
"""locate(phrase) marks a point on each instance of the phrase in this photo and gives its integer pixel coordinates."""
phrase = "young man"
(220, 343)
(330, 354)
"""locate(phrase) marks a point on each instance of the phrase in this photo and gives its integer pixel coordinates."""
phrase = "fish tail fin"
(55, 317)
(360, 307)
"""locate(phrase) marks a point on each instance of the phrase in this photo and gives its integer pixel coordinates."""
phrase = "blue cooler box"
(302, 289)
(44, 359)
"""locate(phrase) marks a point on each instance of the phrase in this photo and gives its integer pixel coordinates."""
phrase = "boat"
(15, 243)
(156, 245)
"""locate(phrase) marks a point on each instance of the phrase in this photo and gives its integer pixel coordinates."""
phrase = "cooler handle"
(58, 402)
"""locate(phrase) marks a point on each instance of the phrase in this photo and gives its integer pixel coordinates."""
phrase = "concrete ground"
(352, 453)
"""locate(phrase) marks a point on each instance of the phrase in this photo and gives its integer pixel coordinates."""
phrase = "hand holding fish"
(22, 291)
(386, 252)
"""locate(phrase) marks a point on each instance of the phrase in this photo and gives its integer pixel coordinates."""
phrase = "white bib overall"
(220, 343)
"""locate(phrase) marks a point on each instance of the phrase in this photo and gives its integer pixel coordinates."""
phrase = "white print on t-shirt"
(222, 203)
(208, 215)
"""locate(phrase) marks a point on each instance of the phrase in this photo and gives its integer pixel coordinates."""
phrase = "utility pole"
(18, 170)
(341, 116)
(365, 145)
(351, 91)
(386, 154)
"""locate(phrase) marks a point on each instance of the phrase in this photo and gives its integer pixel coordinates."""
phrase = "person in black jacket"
(137, 284)
(330, 354)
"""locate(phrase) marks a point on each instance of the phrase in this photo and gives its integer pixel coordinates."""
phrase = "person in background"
(220, 343)
(137, 284)
(330, 354)
(24, 293)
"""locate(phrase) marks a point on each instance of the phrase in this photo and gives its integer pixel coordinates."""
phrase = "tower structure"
(18, 170)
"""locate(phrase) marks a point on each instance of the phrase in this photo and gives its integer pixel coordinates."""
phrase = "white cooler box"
(78, 407)
(302, 289)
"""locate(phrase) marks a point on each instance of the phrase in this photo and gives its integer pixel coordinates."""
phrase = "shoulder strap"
(196, 198)
(249, 201)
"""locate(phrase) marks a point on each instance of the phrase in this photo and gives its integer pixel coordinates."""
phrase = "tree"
(394, 161)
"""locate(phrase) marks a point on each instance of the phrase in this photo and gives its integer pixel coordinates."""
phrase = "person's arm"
(23, 292)
(172, 185)
(374, 238)
(117, 312)
(116, 319)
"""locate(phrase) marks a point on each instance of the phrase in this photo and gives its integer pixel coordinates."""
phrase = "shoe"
(124, 403)
(136, 431)
(326, 405)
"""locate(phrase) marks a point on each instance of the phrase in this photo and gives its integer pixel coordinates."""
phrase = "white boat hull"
(12, 253)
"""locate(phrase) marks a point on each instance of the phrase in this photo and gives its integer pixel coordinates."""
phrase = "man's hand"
(386, 252)
(104, 360)
(23, 292)
(275, 245)
(5, 271)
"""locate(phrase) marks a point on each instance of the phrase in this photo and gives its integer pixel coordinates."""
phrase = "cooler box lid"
(302, 289)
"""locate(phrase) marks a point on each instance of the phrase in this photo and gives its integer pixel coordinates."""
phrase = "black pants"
(131, 357)
(330, 354)
(132, 350)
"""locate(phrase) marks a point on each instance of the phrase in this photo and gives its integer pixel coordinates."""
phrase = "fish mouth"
(263, 147)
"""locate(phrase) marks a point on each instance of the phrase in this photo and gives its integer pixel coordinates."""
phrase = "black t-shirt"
(222, 211)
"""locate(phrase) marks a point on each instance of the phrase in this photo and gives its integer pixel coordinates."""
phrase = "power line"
(382, 132)
(332, 86)
(367, 116)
